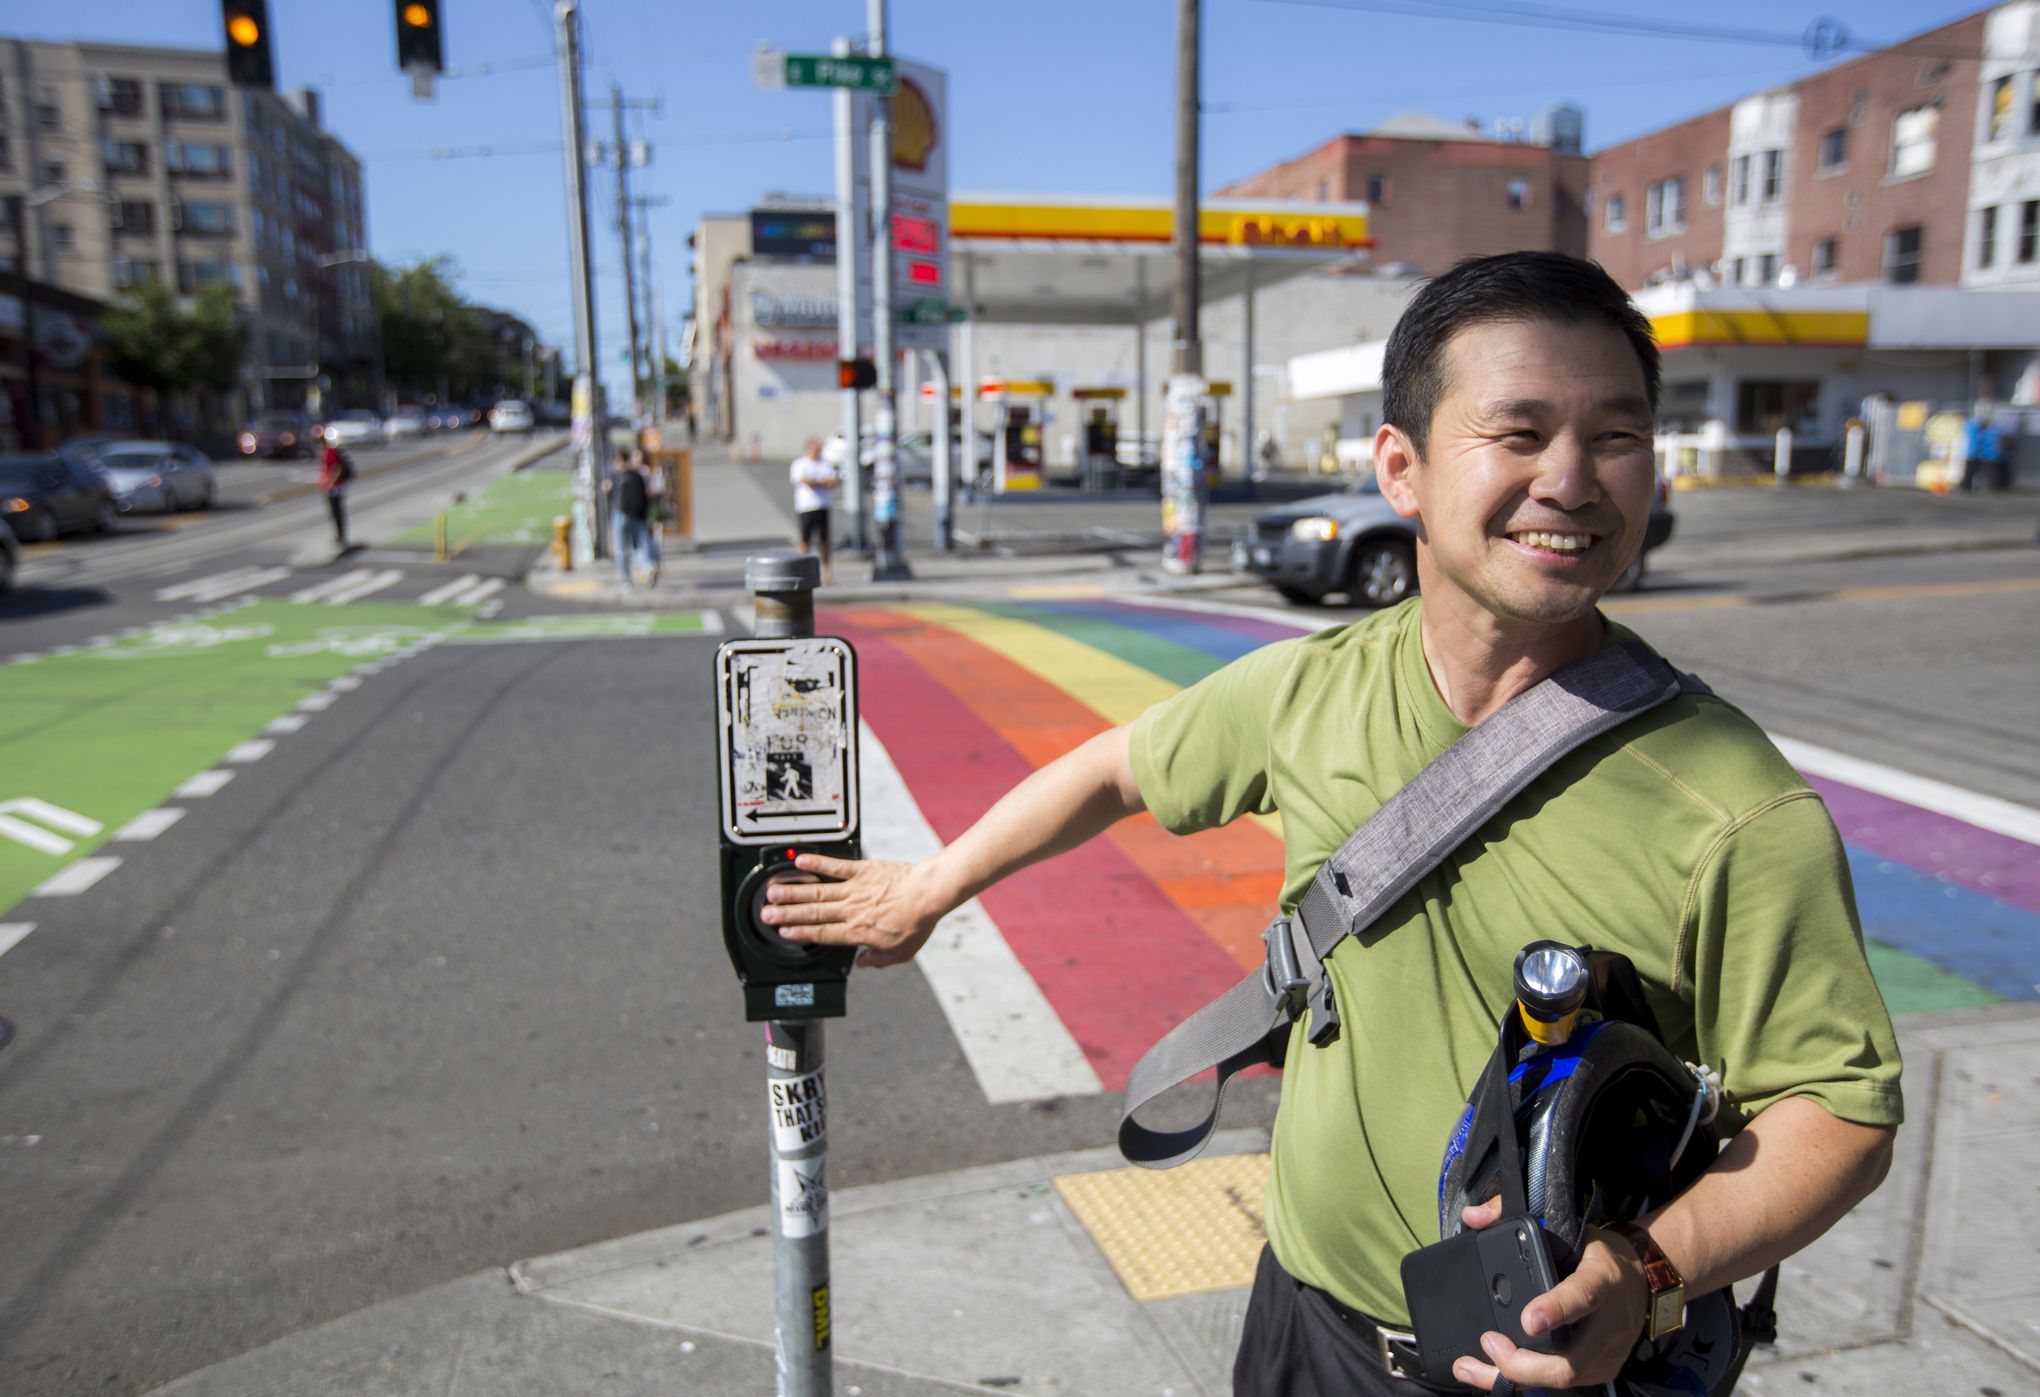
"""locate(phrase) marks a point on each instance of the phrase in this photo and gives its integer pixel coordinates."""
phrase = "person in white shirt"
(813, 481)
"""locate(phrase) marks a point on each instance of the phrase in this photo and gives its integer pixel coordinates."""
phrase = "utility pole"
(888, 562)
(655, 363)
(590, 527)
(1186, 444)
(849, 239)
(623, 230)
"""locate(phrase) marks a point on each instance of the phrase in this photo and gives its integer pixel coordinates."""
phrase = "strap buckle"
(1393, 1360)
(1283, 974)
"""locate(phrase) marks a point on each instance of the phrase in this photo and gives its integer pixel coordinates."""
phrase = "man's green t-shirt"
(1682, 839)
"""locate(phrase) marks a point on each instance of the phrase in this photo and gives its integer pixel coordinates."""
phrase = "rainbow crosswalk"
(1125, 936)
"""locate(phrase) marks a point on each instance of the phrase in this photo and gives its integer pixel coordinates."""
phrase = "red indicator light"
(924, 273)
(916, 234)
(793, 853)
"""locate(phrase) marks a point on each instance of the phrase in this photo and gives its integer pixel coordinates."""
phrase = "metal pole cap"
(782, 572)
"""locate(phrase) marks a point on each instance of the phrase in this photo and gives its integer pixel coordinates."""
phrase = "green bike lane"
(98, 746)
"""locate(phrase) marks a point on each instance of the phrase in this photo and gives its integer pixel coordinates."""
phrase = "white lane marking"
(59, 651)
(319, 591)
(11, 934)
(289, 722)
(221, 585)
(711, 623)
(251, 751)
(475, 596)
(440, 595)
(79, 877)
(374, 582)
(1985, 812)
(1017, 1047)
(261, 578)
(150, 823)
(346, 683)
(315, 703)
(55, 816)
(204, 784)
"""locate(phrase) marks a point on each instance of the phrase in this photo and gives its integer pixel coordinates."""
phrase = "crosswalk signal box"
(786, 730)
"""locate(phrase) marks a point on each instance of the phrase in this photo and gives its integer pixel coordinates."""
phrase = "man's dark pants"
(1294, 1344)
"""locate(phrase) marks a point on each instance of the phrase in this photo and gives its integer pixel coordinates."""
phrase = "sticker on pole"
(786, 720)
(800, 1191)
(800, 1111)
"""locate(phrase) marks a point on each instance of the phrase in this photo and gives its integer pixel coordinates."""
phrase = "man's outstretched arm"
(890, 909)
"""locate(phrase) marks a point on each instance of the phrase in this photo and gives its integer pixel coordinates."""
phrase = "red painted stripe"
(1119, 962)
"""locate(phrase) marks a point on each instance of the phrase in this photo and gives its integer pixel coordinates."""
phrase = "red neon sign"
(924, 273)
(916, 234)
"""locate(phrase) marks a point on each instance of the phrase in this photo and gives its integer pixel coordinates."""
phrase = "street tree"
(177, 348)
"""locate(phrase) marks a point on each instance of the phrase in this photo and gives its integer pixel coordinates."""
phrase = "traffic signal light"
(856, 373)
(418, 44)
(247, 29)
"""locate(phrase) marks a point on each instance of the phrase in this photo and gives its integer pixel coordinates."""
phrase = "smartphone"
(1464, 1286)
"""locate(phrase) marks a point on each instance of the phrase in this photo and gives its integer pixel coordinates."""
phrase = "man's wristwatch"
(1665, 1311)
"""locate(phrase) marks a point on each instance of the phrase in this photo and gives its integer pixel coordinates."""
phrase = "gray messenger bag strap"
(1411, 834)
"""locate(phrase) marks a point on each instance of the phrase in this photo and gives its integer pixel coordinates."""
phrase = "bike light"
(1551, 985)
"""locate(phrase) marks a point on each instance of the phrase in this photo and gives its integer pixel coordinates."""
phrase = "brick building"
(1437, 191)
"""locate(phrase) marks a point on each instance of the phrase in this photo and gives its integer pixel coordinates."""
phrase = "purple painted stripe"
(1982, 860)
(1217, 620)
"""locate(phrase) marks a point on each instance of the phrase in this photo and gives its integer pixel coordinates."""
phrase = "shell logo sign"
(913, 127)
(1286, 230)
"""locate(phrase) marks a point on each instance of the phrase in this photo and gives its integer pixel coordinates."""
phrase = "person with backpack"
(1519, 397)
(335, 471)
(629, 510)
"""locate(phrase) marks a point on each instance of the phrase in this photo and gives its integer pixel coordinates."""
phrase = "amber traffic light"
(418, 41)
(246, 23)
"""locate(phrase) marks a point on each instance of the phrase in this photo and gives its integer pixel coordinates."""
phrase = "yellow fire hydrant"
(563, 542)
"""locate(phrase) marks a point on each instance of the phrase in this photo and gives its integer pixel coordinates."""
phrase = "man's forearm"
(1074, 798)
(1790, 1175)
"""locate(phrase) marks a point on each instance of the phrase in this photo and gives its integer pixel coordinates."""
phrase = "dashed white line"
(711, 623)
(440, 595)
(319, 591)
(346, 683)
(374, 582)
(477, 595)
(222, 585)
(80, 876)
(251, 751)
(11, 934)
(289, 722)
(204, 784)
(149, 823)
(315, 703)
(57, 651)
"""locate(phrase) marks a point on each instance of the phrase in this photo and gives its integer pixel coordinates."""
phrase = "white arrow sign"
(55, 816)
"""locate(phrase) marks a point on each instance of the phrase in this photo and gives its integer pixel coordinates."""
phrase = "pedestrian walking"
(1988, 468)
(814, 483)
(335, 470)
(629, 503)
(659, 508)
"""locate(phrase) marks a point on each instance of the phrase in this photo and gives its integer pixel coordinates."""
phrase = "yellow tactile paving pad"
(1176, 1231)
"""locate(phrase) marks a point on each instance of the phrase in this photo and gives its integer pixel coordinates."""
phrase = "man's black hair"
(1511, 286)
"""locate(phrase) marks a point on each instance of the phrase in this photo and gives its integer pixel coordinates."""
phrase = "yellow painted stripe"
(1114, 689)
(1819, 327)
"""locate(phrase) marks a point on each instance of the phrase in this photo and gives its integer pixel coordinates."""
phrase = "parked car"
(43, 495)
(510, 415)
(354, 427)
(1353, 542)
(153, 477)
(278, 436)
(554, 413)
(407, 421)
(10, 558)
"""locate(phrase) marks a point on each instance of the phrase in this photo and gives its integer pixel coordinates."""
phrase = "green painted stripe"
(516, 510)
(1165, 659)
(1913, 984)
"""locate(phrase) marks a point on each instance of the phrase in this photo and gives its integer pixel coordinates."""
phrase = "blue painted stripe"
(1178, 627)
(1981, 938)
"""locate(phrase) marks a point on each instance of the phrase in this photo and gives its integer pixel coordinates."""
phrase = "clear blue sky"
(1055, 96)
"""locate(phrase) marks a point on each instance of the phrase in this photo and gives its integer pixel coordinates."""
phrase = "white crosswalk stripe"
(476, 596)
(319, 591)
(366, 586)
(80, 876)
(222, 585)
(439, 596)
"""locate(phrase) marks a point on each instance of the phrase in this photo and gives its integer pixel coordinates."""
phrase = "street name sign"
(856, 73)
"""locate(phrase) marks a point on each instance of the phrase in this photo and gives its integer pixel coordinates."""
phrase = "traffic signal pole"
(888, 562)
(590, 526)
(848, 244)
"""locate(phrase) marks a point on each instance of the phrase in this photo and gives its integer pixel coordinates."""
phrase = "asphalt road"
(435, 983)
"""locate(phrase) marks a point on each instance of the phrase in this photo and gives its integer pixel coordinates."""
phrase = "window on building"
(2033, 111)
(6, 153)
(1997, 110)
(1765, 405)
(186, 158)
(1912, 141)
(63, 236)
(1665, 207)
(208, 220)
(55, 172)
(134, 216)
(1902, 255)
(1710, 185)
(125, 157)
(1735, 272)
(196, 276)
(1834, 150)
(1377, 188)
(1774, 175)
(134, 271)
(193, 99)
(49, 116)
(120, 96)
(1767, 268)
(1986, 237)
(1742, 181)
(1519, 193)
(10, 212)
(1824, 259)
(2029, 230)
(1617, 213)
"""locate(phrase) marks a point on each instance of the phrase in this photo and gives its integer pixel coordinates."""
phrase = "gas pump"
(1019, 416)
(1100, 409)
(1214, 433)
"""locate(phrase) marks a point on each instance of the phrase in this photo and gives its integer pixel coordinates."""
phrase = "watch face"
(1667, 1312)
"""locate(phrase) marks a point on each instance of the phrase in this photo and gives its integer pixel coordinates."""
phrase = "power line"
(491, 152)
(1432, 93)
(472, 70)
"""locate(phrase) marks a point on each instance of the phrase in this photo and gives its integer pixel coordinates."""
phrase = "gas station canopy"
(1105, 262)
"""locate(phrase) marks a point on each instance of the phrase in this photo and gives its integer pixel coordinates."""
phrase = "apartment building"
(123, 165)
(1437, 191)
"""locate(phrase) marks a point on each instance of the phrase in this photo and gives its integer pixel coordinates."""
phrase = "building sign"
(793, 312)
(812, 351)
(920, 207)
(794, 235)
(1232, 223)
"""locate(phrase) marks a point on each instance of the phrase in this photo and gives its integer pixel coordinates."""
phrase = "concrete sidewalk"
(1071, 1275)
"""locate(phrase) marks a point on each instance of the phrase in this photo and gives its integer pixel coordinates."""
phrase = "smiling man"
(1519, 393)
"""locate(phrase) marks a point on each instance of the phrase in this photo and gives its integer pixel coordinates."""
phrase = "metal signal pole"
(590, 527)
(623, 231)
(1189, 349)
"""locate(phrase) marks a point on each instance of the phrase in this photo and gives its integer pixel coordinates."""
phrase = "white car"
(404, 422)
(357, 427)
(510, 415)
(153, 477)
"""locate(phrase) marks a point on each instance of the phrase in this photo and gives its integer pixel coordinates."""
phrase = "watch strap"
(1659, 1275)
